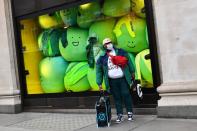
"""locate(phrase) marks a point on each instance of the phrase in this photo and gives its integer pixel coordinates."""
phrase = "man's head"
(107, 44)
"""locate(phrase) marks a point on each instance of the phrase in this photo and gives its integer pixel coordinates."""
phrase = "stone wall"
(175, 22)
(9, 93)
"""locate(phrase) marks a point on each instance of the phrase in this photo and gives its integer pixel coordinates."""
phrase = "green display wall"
(69, 57)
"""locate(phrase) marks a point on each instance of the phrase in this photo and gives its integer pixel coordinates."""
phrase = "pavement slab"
(169, 125)
(58, 122)
(28, 121)
(124, 126)
(10, 119)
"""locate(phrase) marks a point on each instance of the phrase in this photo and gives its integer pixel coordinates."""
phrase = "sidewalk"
(28, 121)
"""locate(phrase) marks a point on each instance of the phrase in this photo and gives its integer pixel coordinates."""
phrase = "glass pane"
(60, 49)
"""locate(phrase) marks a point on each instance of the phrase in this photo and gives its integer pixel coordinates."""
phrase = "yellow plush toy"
(138, 7)
(32, 55)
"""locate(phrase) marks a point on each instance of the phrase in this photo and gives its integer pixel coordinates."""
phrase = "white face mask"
(109, 46)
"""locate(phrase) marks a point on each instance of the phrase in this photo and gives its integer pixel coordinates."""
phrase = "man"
(117, 79)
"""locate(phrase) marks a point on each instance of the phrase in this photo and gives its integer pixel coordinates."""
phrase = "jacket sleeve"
(130, 64)
(99, 72)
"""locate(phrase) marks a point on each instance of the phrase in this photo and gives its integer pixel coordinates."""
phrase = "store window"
(60, 49)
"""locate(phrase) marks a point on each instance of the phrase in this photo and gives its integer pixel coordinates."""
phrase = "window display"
(60, 49)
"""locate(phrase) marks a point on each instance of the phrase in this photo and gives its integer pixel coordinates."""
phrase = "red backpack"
(118, 60)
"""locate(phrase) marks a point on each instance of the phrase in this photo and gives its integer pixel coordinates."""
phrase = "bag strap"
(110, 55)
(102, 93)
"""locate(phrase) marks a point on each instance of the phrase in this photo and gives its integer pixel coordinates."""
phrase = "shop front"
(56, 58)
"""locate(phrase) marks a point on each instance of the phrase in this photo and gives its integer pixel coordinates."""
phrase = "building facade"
(175, 30)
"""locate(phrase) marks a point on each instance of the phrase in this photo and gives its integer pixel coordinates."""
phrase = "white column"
(9, 87)
(175, 22)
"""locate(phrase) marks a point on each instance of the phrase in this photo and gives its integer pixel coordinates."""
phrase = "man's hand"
(134, 89)
(133, 76)
(100, 88)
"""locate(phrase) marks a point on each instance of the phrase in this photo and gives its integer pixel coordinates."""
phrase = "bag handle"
(101, 97)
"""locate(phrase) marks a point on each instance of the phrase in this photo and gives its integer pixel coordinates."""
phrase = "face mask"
(109, 46)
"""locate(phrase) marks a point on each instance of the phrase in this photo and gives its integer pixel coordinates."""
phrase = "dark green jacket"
(102, 68)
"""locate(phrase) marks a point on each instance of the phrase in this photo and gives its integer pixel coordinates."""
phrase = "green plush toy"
(93, 49)
(69, 16)
(103, 29)
(144, 69)
(73, 43)
(76, 79)
(147, 39)
(52, 71)
(98, 50)
(88, 13)
(92, 80)
(48, 21)
(130, 33)
(58, 18)
(139, 8)
(48, 42)
(116, 8)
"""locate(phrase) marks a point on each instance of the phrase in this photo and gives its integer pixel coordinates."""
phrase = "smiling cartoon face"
(73, 44)
(130, 33)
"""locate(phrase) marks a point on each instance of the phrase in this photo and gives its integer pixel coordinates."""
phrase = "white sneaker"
(119, 118)
(130, 116)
